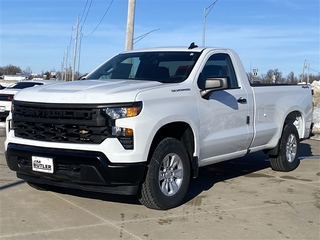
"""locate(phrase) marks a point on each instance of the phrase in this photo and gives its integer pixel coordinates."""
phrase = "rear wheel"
(289, 148)
(168, 176)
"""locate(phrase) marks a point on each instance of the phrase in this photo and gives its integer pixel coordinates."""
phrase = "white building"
(14, 77)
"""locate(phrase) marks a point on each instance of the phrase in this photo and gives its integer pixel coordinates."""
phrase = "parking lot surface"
(239, 199)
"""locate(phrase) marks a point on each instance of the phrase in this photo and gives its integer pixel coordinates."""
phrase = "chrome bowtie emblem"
(83, 131)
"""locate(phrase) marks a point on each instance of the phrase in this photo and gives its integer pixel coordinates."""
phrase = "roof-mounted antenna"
(192, 46)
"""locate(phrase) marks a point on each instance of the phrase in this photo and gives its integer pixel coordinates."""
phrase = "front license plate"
(42, 164)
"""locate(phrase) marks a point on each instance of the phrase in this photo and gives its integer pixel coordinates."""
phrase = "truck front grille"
(61, 123)
(51, 132)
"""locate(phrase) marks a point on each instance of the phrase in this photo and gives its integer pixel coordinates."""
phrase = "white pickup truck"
(143, 122)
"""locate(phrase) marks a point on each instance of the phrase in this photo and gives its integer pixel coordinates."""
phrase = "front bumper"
(84, 170)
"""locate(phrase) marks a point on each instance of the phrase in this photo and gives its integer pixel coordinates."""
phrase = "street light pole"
(137, 39)
(205, 14)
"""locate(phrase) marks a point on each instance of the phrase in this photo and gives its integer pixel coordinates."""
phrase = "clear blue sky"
(267, 34)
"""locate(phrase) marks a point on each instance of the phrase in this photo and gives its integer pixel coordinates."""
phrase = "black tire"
(168, 176)
(289, 149)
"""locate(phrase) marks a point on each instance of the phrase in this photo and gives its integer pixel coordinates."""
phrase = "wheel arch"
(296, 119)
(183, 132)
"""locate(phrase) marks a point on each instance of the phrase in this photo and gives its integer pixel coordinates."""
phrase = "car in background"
(6, 94)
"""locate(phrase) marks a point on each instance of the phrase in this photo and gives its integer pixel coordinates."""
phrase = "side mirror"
(213, 84)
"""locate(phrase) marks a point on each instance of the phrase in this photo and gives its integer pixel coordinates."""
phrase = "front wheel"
(168, 176)
(289, 148)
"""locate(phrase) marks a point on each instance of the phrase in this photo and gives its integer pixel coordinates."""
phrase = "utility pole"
(62, 65)
(130, 24)
(81, 35)
(304, 66)
(66, 73)
(75, 50)
(308, 72)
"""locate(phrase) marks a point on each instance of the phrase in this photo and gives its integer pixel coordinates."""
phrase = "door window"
(219, 65)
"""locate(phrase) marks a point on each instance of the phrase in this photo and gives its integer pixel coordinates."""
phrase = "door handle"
(241, 100)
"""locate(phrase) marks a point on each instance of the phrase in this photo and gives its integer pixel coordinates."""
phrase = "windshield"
(167, 67)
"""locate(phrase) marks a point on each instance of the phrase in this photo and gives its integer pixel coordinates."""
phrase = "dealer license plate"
(42, 164)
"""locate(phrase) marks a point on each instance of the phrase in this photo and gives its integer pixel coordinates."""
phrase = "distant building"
(15, 77)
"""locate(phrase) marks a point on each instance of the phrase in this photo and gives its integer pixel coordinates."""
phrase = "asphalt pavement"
(238, 199)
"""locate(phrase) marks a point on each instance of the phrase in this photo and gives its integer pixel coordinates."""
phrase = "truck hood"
(87, 91)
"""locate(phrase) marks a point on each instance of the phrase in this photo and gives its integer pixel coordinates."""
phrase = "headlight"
(124, 112)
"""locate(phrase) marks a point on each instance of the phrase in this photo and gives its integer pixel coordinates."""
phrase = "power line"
(306, 65)
(313, 70)
(100, 20)
(312, 61)
(84, 10)
(81, 33)
(84, 21)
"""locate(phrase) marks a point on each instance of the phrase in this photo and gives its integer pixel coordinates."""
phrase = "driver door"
(226, 130)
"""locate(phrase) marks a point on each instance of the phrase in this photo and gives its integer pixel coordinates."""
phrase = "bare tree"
(291, 79)
(9, 70)
(277, 76)
(47, 75)
(28, 70)
(269, 77)
(273, 76)
(314, 77)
